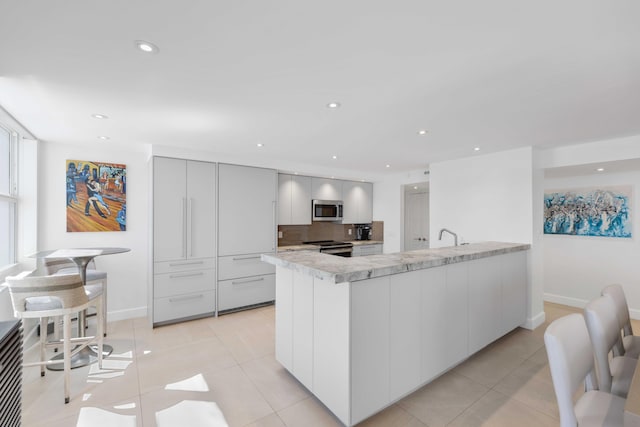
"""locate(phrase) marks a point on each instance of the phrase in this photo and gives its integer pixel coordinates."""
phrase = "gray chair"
(614, 373)
(629, 344)
(41, 297)
(572, 364)
(60, 266)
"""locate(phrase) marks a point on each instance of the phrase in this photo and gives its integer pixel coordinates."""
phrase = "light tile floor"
(505, 384)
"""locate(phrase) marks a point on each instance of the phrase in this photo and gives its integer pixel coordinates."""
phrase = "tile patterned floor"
(505, 384)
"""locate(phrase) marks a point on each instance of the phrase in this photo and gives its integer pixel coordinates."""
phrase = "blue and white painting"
(601, 211)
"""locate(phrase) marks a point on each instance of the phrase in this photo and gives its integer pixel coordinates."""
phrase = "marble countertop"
(339, 269)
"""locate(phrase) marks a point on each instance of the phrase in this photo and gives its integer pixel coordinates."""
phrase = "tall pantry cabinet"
(184, 250)
(246, 228)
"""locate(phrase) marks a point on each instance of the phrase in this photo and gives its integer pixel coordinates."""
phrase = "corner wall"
(127, 272)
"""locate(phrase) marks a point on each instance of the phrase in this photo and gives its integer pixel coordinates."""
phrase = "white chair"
(614, 373)
(571, 363)
(629, 345)
(41, 297)
(60, 266)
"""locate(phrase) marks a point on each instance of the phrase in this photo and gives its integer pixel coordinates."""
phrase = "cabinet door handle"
(241, 282)
(184, 227)
(187, 298)
(275, 226)
(190, 225)
(177, 264)
(177, 276)
(240, 258)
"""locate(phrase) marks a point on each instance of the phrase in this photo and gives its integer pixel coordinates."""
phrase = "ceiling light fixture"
(333, 105)
(415, 187)
(600, 170)
(99, 116)
(146, 46)
(104, 138)
(260, 144)
(388, 166)
(476, 149)
(334, 157)
(422, 132)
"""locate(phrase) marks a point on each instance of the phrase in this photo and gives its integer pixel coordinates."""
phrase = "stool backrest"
(68, 289)
(604, 330)
(622, 308)
(570, 361)
(49, 266)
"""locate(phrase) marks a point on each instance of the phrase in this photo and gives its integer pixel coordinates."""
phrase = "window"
(8, 197)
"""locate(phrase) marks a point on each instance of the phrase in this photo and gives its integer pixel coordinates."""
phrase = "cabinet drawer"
(364, 250)
(242, 266)
(242, 292)
(183, 265)
(183, 282)
(178, 307)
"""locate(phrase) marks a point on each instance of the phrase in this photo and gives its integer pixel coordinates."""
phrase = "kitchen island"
(361, 333)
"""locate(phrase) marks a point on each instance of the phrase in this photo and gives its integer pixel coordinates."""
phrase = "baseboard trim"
(131, 313)
(560, 299)
(532, 323)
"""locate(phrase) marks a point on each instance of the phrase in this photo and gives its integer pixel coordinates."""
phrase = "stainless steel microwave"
(327, 210)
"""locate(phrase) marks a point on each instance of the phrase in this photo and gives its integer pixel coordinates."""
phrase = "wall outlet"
(349, 232)
(279, 234)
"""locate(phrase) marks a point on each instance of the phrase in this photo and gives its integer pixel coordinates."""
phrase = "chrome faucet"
(455, 236)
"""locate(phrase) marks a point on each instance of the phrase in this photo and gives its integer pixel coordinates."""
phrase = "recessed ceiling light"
(600, 170)
(146, 46)
(104, 138)
(362, 180)
(295, 173)
(333, 177)
(422, 132)
(388, 166)
(476, 149)
(415, 187)
(99, 116)
(334, 157)
(260, 144)
(333, 105)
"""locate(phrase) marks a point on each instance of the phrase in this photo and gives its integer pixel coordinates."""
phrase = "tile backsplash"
(296, 234)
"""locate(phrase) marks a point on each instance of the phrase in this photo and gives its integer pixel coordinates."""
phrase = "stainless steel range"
(332, 247)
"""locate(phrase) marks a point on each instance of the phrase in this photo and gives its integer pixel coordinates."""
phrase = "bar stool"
(629, 344)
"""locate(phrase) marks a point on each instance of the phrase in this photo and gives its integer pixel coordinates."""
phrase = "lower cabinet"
(183, 290)
(244, 280)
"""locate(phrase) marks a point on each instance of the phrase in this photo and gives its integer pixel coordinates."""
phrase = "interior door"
(416, 217)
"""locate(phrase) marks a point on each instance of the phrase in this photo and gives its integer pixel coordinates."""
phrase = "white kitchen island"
(361, 333)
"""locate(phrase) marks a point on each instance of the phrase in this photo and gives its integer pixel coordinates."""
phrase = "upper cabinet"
(183, 209)
(326, 189)
(246, 209)
(294, 200)
(358, 202)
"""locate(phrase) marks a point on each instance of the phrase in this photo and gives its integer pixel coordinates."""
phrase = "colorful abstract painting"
(96, 196)
(602, 211)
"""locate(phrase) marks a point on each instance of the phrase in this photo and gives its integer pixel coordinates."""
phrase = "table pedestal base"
(84, 357)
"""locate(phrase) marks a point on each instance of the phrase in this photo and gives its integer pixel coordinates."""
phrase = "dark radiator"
(10, 373)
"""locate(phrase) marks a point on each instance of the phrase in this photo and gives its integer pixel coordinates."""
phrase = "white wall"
(127, 273)
(388, 206)
(484, 197)
(576, 268)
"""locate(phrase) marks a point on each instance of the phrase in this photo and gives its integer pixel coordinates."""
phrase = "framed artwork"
(597, 211)
(96, 196)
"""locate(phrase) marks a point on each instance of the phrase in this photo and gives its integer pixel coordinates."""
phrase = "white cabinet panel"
(294, 200)
(326, 189)
(456, 318)
(235, 266)
(303, 329)
(169, 208)
(284, 317)
(358, 202)
(405, 306)
(485, 302)
(201, 209)
(514, 290)
(237, 293)
(434, 330)
(369, 346)
(183, 282)
(246, 210)
(364, 250)
(184, 306)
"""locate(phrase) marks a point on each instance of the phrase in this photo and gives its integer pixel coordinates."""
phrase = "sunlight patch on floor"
(96, 417)
(195, 383)
(193, 414)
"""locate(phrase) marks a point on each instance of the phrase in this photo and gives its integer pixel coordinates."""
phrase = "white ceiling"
(497, 74)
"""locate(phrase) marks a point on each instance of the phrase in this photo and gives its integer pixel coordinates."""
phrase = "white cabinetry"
(363, 250)
(247, 228)
(358, 202)
(294, 200)
(326, 189)
(184, 214)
